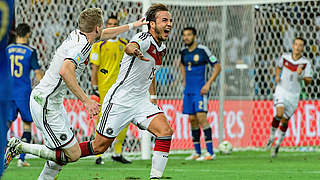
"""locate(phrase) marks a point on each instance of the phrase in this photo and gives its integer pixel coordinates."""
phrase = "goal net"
(246, 37)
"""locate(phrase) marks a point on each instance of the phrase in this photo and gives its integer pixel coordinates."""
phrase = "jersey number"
(4, 18)
(189, 66)
(15, 61)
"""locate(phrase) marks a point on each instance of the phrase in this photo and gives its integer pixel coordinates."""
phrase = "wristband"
(153, 97)
(130, 26)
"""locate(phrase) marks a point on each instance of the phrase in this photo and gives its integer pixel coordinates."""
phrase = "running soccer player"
(291, 69)
(6, 14)
(128, 99)
(46, 101)
(105, 61)
(194, 59)
(23, 59)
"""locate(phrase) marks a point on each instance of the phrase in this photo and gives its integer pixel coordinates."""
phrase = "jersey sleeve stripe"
(72, 60)
(86, 48)
(134, 42)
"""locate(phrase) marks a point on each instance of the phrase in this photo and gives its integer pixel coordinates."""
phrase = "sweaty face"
(297, 47)
(163, 25)
(188, 37)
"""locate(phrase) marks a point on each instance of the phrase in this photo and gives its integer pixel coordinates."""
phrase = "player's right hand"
(140, 22)
(139, 54)
(92, 107)
(277, 80)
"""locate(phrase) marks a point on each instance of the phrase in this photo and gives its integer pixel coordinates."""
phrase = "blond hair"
(89, 19)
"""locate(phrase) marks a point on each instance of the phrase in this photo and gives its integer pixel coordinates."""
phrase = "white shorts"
(114, 117)
(54, 125)
(286, 99)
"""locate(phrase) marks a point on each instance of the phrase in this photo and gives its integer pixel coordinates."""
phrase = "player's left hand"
(140, 22)
(205, 89)
(299, 70)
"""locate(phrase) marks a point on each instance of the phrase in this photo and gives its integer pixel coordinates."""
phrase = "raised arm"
(110, 33)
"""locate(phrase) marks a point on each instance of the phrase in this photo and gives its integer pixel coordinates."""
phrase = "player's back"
(289, 79)
(135, 75)
(22, 58)
(195, 67)
(52, 88)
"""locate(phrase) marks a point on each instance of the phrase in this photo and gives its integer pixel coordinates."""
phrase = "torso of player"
(289, 76)
(195, 67)
(51, 89)
(135, 75)
(19, 57)
(107, 55)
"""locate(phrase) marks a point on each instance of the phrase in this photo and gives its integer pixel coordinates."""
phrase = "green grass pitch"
(239, 165)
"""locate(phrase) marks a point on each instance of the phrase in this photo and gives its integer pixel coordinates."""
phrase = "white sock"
(159, 162)
(39, 150)
(282, 135)
(272, 133)
(50, 171)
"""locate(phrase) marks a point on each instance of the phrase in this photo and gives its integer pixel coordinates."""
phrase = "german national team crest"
(109, 131)
(196, 58)
(63, 137)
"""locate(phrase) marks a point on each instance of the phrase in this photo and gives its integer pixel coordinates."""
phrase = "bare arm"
(153, 92)
(213, 77)
(183, 74)
(307, 80)
(94, 77)
(109, 33)
(69, 77)
(215, 73)
(278, 71)
(39, 74)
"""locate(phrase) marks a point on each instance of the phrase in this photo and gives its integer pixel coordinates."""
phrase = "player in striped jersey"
(46, 101)
(105, 61)
(292, 68)
(128, 99)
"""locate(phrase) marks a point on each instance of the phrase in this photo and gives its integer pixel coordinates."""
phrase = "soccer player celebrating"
(23, 58)
(290, 70)
(105, 61)
(194, 59)
(128, 99)
(46, 101)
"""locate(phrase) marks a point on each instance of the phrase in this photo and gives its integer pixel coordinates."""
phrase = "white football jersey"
(51, 89)
(289, 78)
(135, 75)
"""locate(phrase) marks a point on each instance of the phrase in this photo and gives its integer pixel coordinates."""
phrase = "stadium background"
(247, 38)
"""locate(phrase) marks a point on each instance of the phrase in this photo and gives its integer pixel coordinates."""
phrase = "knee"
(194, 122)
(166, 132)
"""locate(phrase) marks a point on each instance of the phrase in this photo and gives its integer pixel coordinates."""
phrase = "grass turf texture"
(238, 165)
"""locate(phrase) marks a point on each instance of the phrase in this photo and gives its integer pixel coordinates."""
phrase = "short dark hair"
(194, 31)
(112, 17)
(23, 29)
(301, 39)
(152, 11)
